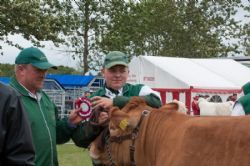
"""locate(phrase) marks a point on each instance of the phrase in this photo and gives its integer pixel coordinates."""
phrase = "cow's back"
(219, 141)
(159, 135)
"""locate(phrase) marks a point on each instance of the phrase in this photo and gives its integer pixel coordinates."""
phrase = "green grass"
(71, 155)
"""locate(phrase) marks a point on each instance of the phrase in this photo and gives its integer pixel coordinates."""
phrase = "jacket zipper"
(50, 138)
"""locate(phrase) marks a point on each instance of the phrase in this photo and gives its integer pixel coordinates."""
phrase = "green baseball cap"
(35, 57)
(115, 58)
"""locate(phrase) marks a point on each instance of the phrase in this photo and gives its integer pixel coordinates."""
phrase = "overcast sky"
(53, 54)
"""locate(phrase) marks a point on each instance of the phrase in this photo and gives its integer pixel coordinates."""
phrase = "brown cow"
(171, 138)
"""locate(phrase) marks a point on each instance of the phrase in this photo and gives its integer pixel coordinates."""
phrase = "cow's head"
(121, 123)
(125, 120)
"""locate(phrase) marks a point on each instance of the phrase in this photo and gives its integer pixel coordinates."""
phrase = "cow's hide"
(212, 108)
(171, 138)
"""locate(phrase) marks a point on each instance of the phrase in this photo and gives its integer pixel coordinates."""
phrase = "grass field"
(71, 155)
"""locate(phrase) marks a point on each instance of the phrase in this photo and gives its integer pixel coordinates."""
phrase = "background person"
(195, 106)
(16, 146)
(233, 97)
(47, 130)
(116, 92)
(242, 105)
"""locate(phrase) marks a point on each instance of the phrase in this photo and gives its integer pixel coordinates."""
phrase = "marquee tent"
(184, 78)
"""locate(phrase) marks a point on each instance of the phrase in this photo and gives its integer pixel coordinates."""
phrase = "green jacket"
(245, 100)
(86, 133)
(47, 129)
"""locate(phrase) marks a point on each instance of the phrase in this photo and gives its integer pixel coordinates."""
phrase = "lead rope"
(111, 161)
(134, 136)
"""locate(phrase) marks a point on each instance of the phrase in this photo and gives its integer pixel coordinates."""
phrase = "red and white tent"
(184, 78)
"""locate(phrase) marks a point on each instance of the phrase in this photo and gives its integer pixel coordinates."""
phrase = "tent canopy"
(171, 72)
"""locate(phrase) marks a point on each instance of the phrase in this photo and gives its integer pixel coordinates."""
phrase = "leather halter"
(132, 136)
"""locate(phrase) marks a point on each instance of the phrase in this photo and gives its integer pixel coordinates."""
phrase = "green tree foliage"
(74, 23)
(35, 20)
(8, 70)
(246, 30)
(183, 28)
(63, 70)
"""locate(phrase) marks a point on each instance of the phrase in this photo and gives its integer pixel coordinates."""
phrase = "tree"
(91, 22)
(36, 21)
(88, 20)
(246, 31)
(8, 70)
(63, 70)
(77, 24)
(183, 28)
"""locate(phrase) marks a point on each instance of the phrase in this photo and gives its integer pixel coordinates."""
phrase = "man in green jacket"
(242, 105)
(47, 130)
(116, 92)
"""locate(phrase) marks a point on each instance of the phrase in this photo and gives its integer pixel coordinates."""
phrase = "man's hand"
(102, 117)
(74, 117)
(103, 102)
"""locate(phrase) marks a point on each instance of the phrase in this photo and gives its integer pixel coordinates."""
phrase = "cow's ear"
(181, 107)
(112, 110)
(134, 103)
(171, 106)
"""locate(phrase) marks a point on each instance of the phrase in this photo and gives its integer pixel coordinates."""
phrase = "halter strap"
(133, 135)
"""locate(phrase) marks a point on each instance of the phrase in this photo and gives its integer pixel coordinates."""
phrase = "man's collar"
(23, 90)
(110, 93)
(36, 96)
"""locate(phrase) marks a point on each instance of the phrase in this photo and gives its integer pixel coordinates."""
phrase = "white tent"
(183, 78)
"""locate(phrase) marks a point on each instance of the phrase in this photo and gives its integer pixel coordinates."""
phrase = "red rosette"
(85, 105)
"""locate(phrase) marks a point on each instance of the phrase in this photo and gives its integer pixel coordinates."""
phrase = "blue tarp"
(5, 80)
(71, 80)
(65, 80)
